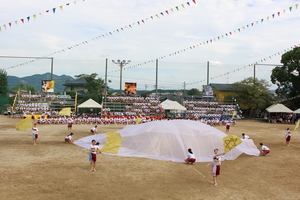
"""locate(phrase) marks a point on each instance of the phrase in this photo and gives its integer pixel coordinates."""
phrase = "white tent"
(89, 104)
(297, 111)
(169, 140)
(172, 105)
(279, 108)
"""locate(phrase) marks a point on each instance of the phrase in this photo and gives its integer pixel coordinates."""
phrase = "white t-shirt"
(94, 149)
(246, 137)
(264, 148)
(190, 155)
(69, 137)
(35, 130)
(216, 158)
(288, 133)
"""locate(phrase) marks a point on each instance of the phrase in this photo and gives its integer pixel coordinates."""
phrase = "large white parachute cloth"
(169, 140)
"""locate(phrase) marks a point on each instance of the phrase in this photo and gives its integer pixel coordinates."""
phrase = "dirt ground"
(55, 170)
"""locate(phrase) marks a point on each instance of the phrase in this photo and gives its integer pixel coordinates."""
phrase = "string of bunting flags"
(156, 16)
(278, 14)
(27, 19)
(251, 65)
(246, 66)
(288, 99)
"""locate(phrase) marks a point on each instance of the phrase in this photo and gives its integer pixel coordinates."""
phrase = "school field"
(55, 170)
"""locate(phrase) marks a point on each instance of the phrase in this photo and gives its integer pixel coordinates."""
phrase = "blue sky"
(185, 30)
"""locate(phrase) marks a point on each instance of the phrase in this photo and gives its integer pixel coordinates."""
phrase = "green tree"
(25, 87)
(3, 84)
(94, 86)
(287, 77)
(251, 96)
(71, 93)
(194, 91)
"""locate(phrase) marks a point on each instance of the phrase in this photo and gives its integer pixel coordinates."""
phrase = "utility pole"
(156, 79)
(105, 98)
(207, 73)
(121, 64)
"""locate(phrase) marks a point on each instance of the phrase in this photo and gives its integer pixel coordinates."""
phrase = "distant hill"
(36, 81)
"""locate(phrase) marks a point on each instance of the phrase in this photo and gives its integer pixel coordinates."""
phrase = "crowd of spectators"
(32, 97)
(135, 106)
(23, 106)
(145, 108)
(282, 119)
(52, 97)
(208, 109)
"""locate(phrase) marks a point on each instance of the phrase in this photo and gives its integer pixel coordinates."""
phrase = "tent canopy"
(279, 108)
(89, 104)
(170, 140)
(297, 111)
(172, 105)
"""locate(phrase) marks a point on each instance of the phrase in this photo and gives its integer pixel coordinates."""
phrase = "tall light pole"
(121, 64)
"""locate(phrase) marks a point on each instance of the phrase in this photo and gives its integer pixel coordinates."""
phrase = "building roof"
(78, 82)
(225, 87)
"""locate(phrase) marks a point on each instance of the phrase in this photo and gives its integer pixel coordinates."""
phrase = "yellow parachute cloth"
(24, 124)
(230, 141)
(234, 113)
(65, 111)
(296, 126)
(138, 120)
(113, 142)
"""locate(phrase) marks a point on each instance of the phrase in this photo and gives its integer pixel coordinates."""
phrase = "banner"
(130, 88)
(47, 86)
(208, 91)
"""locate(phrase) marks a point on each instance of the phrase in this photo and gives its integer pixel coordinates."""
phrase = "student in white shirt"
(244, 136)
(69, 138)
(216, 165)
(93, 155)
(35, 134)
(288, 136)
(94, 130)
(190, 157)
(264, 150)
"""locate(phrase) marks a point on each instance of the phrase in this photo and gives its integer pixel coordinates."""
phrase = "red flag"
(22, 20)
(194, 1)
(9, 24)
